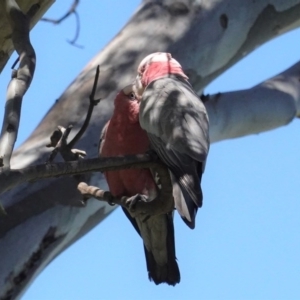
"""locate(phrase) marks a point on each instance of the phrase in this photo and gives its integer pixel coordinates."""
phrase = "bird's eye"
(131, 96)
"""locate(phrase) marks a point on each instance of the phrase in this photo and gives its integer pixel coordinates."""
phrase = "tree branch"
(163, 203)
(168, 26)
(93, 103)
(32, 173)
(6, 45)
(268, 105)
(58, 139)
(19, 83)
(73, 41)
(72, 10)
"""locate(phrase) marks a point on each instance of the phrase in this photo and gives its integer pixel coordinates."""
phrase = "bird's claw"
(110, 200)
(132, 201)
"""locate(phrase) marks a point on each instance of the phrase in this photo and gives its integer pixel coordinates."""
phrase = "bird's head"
(127, 102)
(154, 66)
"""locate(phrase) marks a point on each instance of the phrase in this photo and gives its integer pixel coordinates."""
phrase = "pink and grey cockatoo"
(177, 125)
(123, 135)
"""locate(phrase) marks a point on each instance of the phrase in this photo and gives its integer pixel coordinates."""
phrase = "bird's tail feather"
(169, 272)
(187, 198)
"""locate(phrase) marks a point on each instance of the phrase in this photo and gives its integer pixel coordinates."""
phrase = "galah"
(123, 135)
(177, 125)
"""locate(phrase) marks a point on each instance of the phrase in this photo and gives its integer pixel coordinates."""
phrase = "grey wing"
(186, 176)
(171, 110)
(177, 125)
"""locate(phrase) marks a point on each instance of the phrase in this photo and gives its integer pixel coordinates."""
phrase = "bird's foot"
(138, 206)
(134, 200)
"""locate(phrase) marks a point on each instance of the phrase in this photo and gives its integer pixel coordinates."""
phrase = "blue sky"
(246, 243)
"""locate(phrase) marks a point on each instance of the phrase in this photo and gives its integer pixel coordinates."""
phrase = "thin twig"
(93, 103)
(68, 13)
(72, 10)
(59, 137)
(73, 41)
(15, 63)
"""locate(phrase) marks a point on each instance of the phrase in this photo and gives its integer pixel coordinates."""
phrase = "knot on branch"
(58, 141)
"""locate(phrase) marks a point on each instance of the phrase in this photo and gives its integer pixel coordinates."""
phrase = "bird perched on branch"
(176, 122)
(123, 135)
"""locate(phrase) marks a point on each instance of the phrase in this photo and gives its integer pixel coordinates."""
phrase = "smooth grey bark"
(21, 78)
(207, 37)
(6, 45)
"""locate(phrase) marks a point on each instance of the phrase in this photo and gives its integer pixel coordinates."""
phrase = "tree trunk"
(206, 37)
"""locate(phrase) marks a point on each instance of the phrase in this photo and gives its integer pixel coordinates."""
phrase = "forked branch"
(59, 137)
(72, 10)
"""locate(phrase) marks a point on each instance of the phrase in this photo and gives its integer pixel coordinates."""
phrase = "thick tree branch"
(6, 45)
(20, 81)
(163, 203)
(16, 177)
(268, 105)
